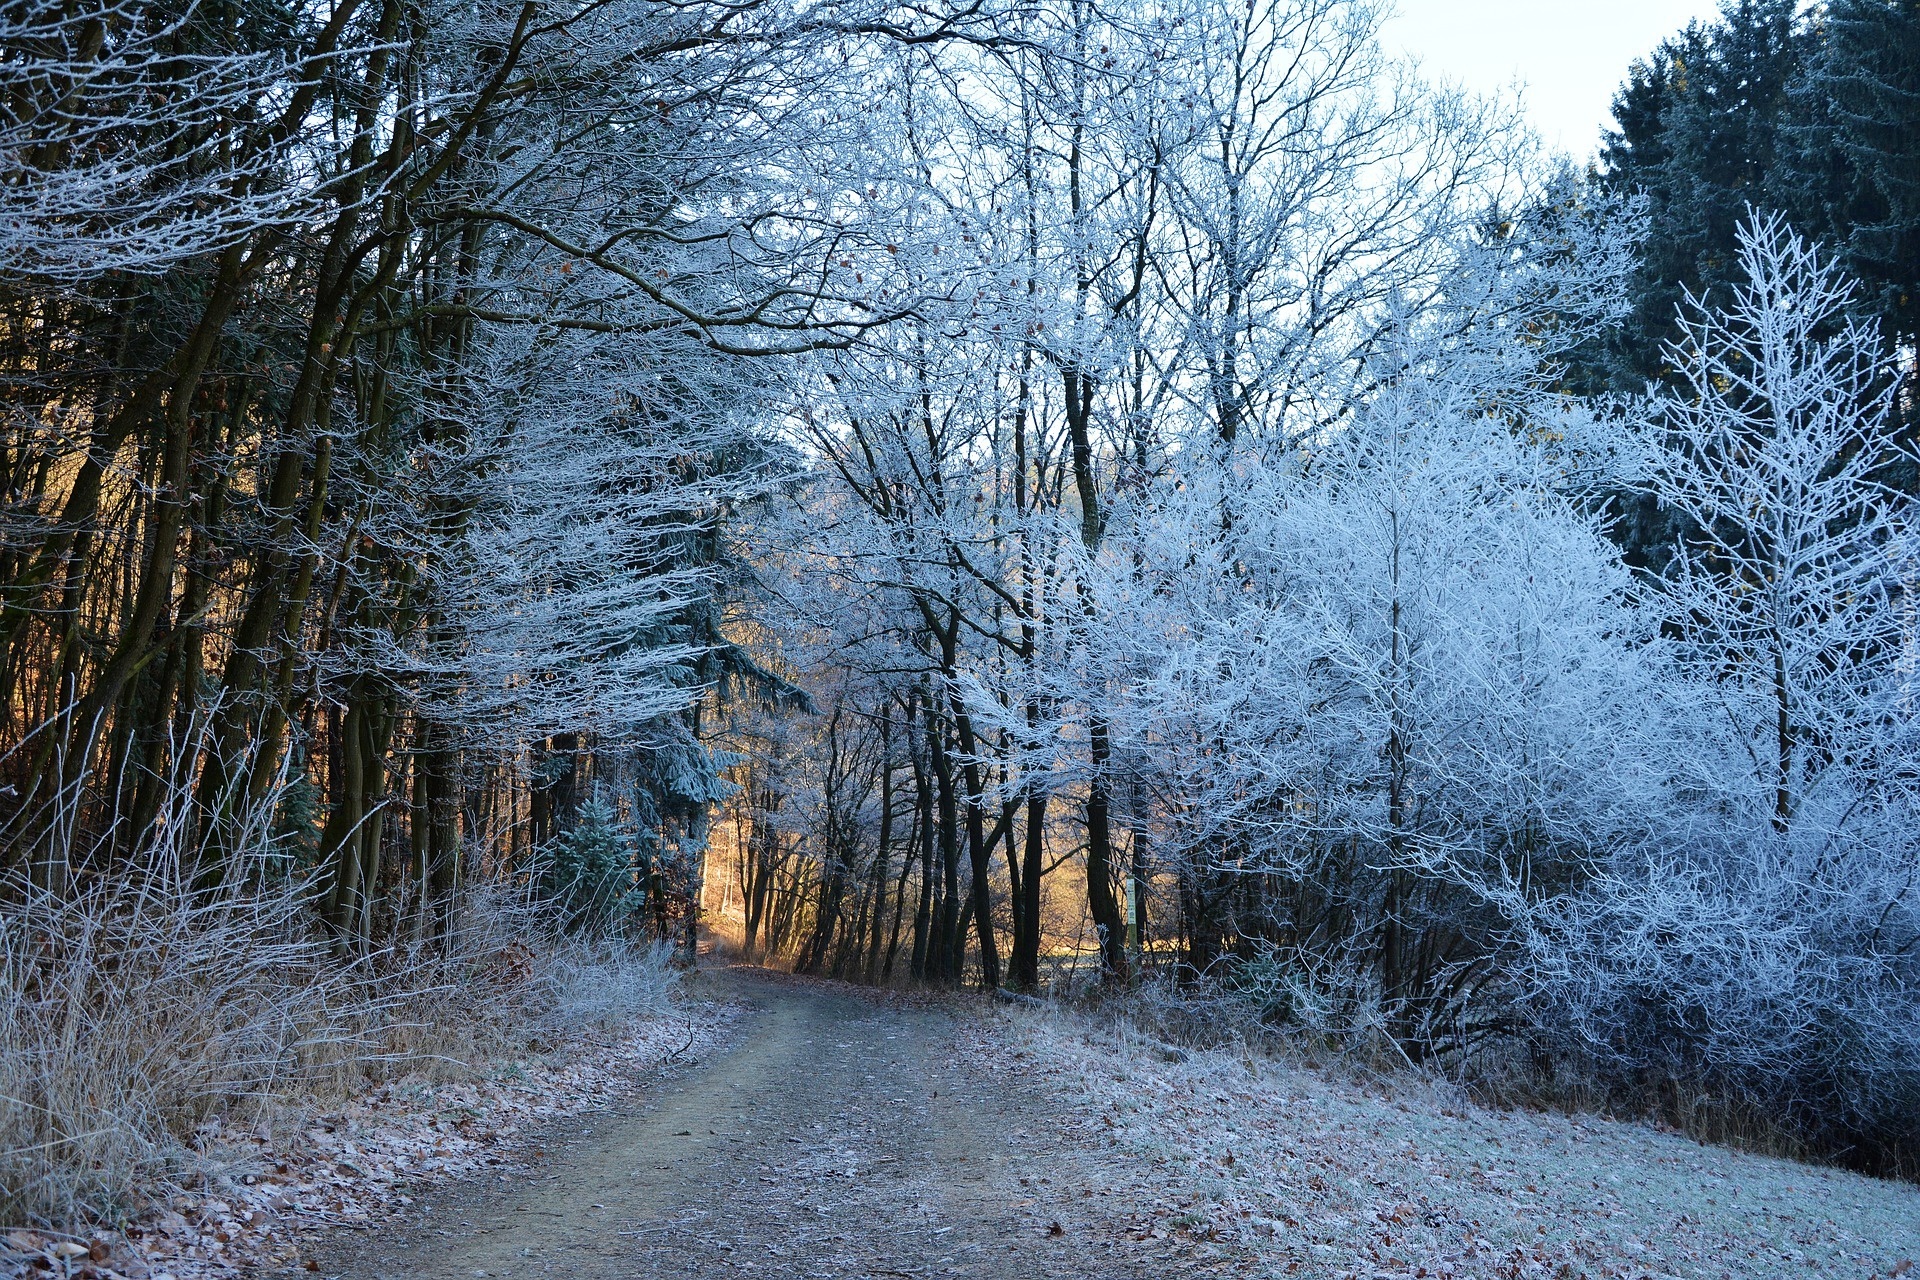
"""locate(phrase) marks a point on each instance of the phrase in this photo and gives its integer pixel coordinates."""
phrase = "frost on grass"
(1338, 1175)
(354, 1166)
(191, 1101)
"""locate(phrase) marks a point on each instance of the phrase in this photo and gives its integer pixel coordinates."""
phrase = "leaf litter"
(268, 1194)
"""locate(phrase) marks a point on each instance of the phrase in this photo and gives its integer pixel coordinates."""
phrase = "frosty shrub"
(607, 982)
(1765, 938)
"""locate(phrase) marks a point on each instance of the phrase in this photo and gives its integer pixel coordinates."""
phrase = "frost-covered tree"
(134, 137)
(1379, 678)
(1791, 591)
(1763, 937)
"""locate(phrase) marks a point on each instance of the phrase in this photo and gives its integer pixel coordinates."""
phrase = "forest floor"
(260, 1197)
(848, 1133)
(851, 1134)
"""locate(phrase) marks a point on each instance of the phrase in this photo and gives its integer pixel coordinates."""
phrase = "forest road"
(844, 1134)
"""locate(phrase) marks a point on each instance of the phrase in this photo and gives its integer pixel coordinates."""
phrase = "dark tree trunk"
(1026, 943)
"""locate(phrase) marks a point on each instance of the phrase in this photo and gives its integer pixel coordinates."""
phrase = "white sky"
(1568, 55)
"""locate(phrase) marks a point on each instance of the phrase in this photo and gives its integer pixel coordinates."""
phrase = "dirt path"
(845, 1135)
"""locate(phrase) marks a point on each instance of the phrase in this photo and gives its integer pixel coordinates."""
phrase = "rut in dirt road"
(843, 1136)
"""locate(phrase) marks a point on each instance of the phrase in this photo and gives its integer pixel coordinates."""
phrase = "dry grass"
(141, 1018)
(146, 1015)
(138, 1012)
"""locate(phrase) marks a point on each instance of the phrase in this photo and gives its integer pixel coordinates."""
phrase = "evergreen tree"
(1814, 116)
(1854, 176)
(588, 873)
(1701, 132)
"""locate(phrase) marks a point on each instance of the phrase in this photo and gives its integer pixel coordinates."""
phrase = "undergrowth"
(143, 1016)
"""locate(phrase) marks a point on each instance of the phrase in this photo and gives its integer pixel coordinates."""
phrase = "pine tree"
(587, 873)
(1855, 169)
(1701, 125)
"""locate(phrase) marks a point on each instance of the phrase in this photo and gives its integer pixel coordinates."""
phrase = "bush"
(590, 873)
(136, 1011)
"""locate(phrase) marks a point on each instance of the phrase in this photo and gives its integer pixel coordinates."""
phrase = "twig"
(666, 1226)
(1011, 997)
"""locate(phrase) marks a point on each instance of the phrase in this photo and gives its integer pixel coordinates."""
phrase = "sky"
(1569, 55)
